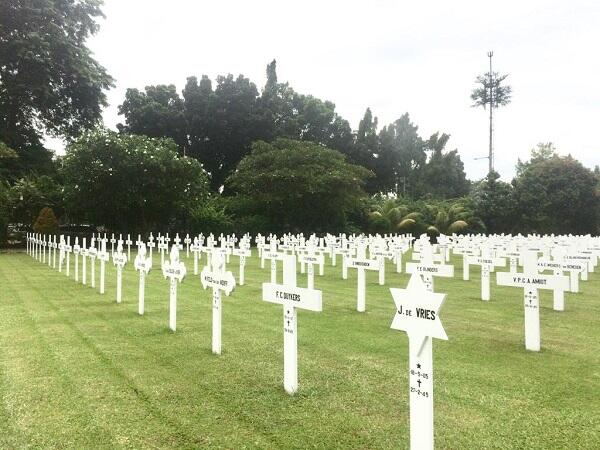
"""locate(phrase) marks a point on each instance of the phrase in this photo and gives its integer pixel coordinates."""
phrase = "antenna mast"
(491, 82)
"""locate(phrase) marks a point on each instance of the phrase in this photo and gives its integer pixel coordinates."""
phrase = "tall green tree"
(366, 147)
(298, 186)
(303, 117)
(556, 194)
(495, 203)
(198, 106)
(443, 175)
(215, 126)
(401, 157)
(49, 81)
(156, 112)
(236, 122)
(8, 162)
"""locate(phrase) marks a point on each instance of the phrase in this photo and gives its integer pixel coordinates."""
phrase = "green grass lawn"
(79, 371)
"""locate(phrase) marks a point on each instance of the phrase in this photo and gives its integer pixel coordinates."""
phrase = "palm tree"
(389, 217)
(455, 218)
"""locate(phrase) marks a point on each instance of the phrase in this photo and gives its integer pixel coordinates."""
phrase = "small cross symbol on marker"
(419, 383)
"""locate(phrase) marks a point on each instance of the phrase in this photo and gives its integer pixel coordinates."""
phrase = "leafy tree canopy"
(49, 81)
(443, 175)
(130, 182)
(556, 194)
(496, 204)
(298, 185)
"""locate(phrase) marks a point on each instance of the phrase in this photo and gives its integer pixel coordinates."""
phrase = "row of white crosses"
(417, 306)
(62, 244)
(309, 251)
(490, 252)
(312, 252)
(424, 305)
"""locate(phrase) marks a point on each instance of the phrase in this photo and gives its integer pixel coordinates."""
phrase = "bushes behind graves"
(297, 186)
(131, 183)
(30, 194)
(46, 222)
(5, 211)
(210, 216)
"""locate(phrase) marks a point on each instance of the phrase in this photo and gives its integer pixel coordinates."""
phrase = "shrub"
(46, 222)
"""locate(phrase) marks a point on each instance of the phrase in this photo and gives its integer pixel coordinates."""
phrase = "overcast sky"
(392, 56)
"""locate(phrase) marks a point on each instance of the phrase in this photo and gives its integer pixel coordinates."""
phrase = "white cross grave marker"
(104, 257)
(84, 257)
(119, 260)
(558, 303)
(274, 256)
(361, 264)
(68, 250)
(139, 242)
(143, 264)
(128, 242)
(243, 253)
(292, 298)
(187, 241)
(61, 253)
(381, 255)
(162, 247)
(76, 251)
(93, 253)
(219, 280)
(44, 250)
(488, 264)
(310, 259)
(49, 253)
(175, 271)
(177, 242)
(151, 244)
(427, 269)
(531, 281)
(196, 248)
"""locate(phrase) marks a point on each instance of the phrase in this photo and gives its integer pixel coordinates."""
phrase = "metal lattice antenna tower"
(491, 151)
